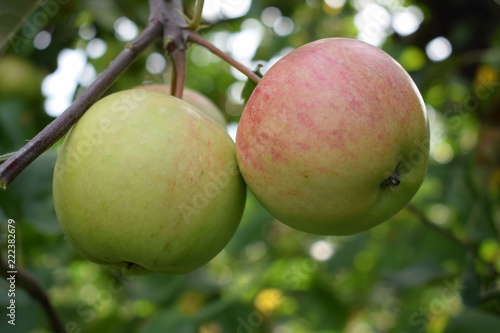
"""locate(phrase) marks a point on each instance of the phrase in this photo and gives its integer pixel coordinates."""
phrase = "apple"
(19, 77)
(334, 139)
(146, 183)
(194, 98)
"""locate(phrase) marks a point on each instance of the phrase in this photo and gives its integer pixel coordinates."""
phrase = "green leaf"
(472, 281)
(415, 275)
(250, 85)
(472, 320)
(13, 13)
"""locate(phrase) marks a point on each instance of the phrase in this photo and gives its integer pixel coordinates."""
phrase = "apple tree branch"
(26, 281)
(13, 166)
(468, 246)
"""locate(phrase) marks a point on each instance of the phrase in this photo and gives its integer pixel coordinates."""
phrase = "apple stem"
(179, 73)
(391, 181)
(196, 38)
(167, 20)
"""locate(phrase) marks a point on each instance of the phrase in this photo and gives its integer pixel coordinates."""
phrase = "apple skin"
(145, 183)
(323, 130)
(194, 98)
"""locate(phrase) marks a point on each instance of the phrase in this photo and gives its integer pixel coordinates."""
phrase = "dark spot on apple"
(393, 180)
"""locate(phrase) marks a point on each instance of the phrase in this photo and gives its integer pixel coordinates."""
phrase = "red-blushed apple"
(196, 99)
(334, 139)
(145, 182)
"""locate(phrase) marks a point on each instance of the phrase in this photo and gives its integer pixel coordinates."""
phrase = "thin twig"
(196, 38)
(59, 126)
(27, 282)
(5, 157)
(466, 245)
(195, 22)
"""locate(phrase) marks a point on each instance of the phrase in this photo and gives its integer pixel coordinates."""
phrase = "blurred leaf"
(472, 320)
(13, 14)
(389, 279)
(471, 293)
(415, 275)
(412, 58)
(31, 194)
(170, 320)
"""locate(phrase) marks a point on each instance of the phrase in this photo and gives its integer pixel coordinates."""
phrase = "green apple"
(194, 98)
(334, 139)
(19, 77)
(146, 183)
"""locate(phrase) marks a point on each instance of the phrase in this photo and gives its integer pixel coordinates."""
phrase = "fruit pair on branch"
(333, 140)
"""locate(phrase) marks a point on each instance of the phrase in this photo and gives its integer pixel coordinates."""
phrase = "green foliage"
(401, 276)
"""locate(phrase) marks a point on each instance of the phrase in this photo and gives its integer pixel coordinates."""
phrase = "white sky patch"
(96, 48)
(232, 128)
(125, 29)
(275, 59)
(283, 26)
(220, 39)
(87, 32)
(321, 250)
(156, 63)
(59, 87)
(438, 49)
(234, 92)
(88, 75)
(407, 21)
(269, 15)
(42, 40)
(335, 4)
(214, 10)
(373, 23)
(242, 45)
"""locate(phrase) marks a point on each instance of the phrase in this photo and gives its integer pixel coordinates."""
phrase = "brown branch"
(466, 245)
(175, 36)
(167, 18)
(11, 168)
(195, 38)
(179, 74)
(27, 282)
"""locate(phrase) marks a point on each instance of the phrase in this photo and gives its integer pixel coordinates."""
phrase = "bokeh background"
(403, 276)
